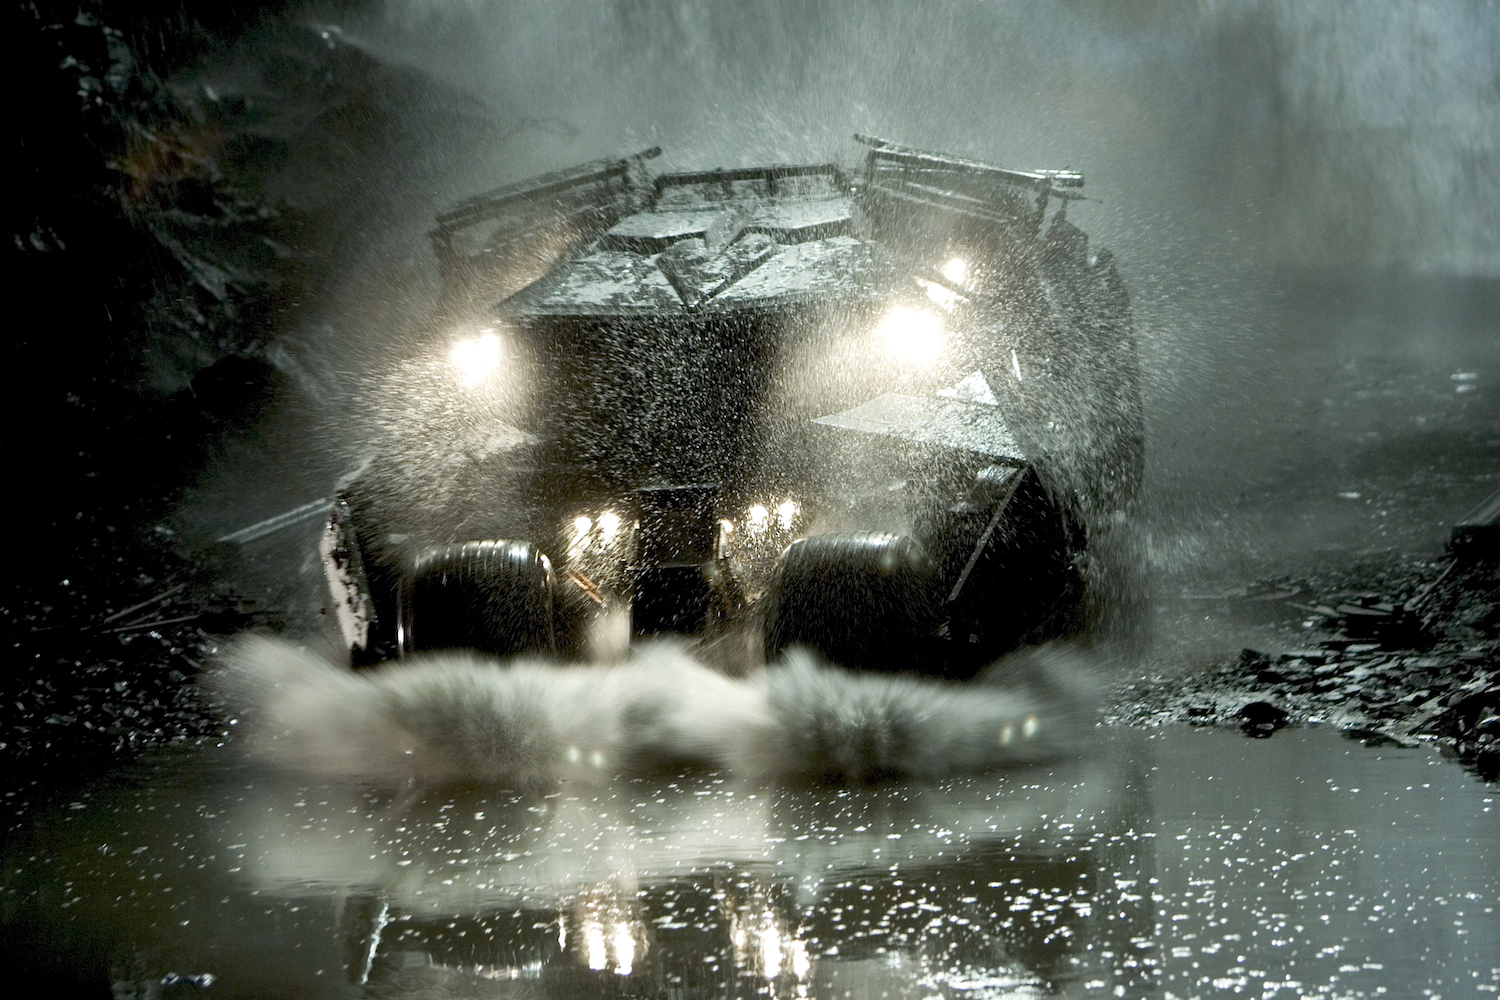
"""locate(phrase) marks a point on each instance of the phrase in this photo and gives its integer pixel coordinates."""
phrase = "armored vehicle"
(872, 412)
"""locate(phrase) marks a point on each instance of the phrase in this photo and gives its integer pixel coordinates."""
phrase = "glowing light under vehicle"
(758, 516)
(912, 334)
(476, 358)
(587, 534)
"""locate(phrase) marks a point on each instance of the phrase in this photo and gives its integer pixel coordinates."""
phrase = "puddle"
(1178, 863)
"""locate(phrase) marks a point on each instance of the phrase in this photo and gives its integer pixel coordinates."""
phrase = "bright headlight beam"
(912, 334)
(476, 358)
(785, 514)
(956, 270)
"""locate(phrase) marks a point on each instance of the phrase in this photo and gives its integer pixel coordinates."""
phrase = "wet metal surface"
(1182, 863)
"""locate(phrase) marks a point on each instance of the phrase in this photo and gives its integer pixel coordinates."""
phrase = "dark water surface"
(1177, 863)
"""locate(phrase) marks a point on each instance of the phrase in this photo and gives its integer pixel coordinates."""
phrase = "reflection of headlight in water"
(764, 944)
(593, 937)
(476, 358)
(801, 962)
(912, 334)
(770, 947)
(610, 936)
(624, 949)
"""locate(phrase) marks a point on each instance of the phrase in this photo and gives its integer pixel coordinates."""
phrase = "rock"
(1260, 719)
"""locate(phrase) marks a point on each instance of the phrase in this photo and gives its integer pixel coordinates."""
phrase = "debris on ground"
(1402, 667)
(103, 658)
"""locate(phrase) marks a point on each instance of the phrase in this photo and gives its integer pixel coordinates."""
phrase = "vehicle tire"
(864, 600)
(493, 596)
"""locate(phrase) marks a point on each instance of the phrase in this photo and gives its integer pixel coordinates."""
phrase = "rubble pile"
(1388, 670)
(103, 656)
(164, 259)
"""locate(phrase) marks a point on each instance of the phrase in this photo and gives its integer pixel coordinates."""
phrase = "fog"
(1273, 133)
(1302, 198)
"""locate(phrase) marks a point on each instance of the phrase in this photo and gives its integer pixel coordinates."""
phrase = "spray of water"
(1222, 146)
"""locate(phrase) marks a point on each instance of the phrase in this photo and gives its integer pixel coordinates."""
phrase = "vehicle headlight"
(910, 334)
(760, 517)
(476, 357)
(587, 534)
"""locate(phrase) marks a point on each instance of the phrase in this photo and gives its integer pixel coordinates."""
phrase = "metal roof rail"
(1049, 180)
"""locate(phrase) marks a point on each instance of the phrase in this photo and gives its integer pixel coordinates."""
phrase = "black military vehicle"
(872, 412)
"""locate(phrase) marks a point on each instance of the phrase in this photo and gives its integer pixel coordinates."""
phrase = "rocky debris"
(1368, 617)
(102, 657)
(1261, 718)
(163, 259)
(1398, 669)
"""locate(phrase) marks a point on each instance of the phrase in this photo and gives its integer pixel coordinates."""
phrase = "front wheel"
(865, 600)
(493, 596)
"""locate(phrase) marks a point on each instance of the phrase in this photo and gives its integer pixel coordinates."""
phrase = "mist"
(1302, 198)
(1280, 133)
